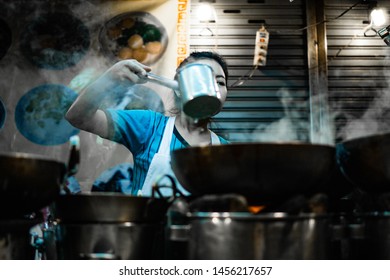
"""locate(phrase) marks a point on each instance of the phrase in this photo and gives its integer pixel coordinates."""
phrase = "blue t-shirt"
(141, 131)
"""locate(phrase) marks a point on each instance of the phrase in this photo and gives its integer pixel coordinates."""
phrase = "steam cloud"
(296, 125)
(373, 120)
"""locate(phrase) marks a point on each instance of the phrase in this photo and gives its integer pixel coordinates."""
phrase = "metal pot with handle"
(104, 225)
(238, 235)
(197, 87)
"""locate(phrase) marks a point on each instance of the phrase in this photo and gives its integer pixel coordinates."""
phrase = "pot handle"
(172, 84)
(175, 191)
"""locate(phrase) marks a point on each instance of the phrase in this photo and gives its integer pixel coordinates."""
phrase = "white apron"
(161, 164)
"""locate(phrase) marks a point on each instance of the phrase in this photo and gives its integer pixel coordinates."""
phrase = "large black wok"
(28, 183)
(105, 207)
(365, 161)
(262, 172)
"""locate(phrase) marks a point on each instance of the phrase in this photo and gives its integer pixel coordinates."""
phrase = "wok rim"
(253, 145)
(371, 137)
(28, 156)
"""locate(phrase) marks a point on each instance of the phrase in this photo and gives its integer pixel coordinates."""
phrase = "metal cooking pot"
(369, 236)
(261, 172)
(199, 91)
(376, 235)
(28, 182)
(365, 162)
(238, 235)
(109, 226)
(126, 241)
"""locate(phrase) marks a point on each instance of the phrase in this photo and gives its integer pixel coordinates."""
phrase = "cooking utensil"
(365, 161)
(163, 81)
(370, 238)
(197, 87)
(126, 241)
(262, 172)
(109, 207)
(28, 182)
(243, 236)
(199, 91)
(110, 225)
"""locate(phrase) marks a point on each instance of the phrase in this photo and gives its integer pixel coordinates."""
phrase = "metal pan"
(262, 172)
(28, 182)
(365, 161)
(108, 207)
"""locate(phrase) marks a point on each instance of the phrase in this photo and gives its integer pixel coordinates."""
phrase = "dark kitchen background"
(321, 78)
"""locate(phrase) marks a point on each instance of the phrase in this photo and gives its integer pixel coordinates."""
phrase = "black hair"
(207, 54)
(193, 57)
